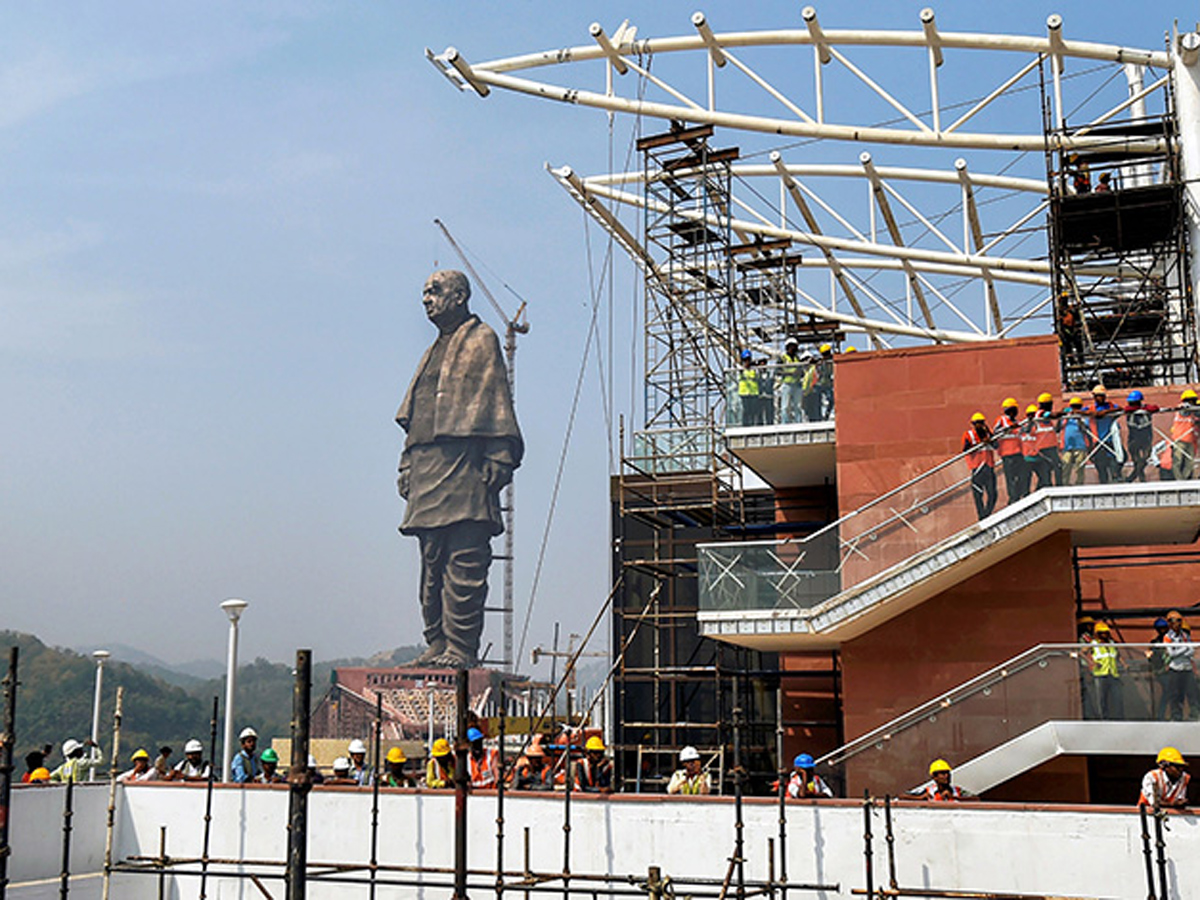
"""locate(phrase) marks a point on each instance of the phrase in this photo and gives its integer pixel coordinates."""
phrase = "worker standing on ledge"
(1165, 787)
(690, 780)
(977, 444)
(1182, 448)
(939, 788)
(805, 783)
(1045, 427)
(1139, 425)
(1076, 440)
(791, 380)
(748, 389)
(1106, 674)
(1029, 450)
(1007, 432)
(593, 773)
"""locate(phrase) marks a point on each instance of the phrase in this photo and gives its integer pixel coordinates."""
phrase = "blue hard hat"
(1160, 622)
(1135, 397)
(474, 734)
(745, 354)
(804, 761)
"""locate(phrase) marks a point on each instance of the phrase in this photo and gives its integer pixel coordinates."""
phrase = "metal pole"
(64, 884)
(100, 656)
(208, 797)
(233, 609)
(461, 748)
(891, 840)
(300, 783)
(375, 793)
(6, 762)
(499, 796)
(528, 874)
(112, 791)
(870, 872)
(1146, 851)
(739, 826)
(162, 864)
(567, 779)
(783, 776)
(1161, 846)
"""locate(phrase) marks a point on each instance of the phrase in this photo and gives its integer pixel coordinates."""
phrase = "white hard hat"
(341, 764)
(357, 746)
(247, 732)
(687, 754)
(193, 746)
(70, 745)
(312, 761)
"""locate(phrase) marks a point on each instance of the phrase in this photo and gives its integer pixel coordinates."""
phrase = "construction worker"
(141, 771)
(359, 771)
(314, 771)
(1070, 327)
(270, 773)
(977, 445)
(245, 766)
(439, 771)
(1166, 785)
(395, 773)
(1184, 433)
(749, 389)
(689, 780)
(1139, 428)
(40, 775)
(1007, 433)
(483, 764)
(1107, 457)
(531, 772)
(1106, 674)
(192, 767)
(1076, 439)
(1045, 426)
(1084, 626)
(1029, 452)
(805, 783)
(791, 380)
(341, 773)
(593, 773)
(162, 764)
(1181, 672)
(75, 764)
(939, 788)
(824, 381)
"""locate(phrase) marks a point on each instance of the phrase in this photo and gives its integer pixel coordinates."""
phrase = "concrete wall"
(991, 847)
(35, 830)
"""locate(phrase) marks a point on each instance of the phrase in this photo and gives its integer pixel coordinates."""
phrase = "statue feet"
(453, 660)
(430, 656)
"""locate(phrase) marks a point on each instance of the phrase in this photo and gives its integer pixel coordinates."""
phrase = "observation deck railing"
(778, 394)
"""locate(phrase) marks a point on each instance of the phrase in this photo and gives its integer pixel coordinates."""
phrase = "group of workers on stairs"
(1050, 447)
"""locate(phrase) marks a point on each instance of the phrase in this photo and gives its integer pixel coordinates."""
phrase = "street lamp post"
(100, 656)
(233, 609)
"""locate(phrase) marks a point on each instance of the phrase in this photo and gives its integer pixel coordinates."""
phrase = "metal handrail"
(995, 675)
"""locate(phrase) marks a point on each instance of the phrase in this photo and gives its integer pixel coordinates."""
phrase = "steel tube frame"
(6, 763)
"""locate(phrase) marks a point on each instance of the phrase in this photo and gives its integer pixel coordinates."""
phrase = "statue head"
(445, 297)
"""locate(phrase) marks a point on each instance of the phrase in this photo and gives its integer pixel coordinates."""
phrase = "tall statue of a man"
(461, 448)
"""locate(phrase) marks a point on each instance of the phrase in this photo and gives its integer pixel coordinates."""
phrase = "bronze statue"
(461, 447)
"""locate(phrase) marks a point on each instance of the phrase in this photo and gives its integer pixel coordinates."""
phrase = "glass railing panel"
(769, 575)
(1069, 682)
(779, 394)
(668, 450)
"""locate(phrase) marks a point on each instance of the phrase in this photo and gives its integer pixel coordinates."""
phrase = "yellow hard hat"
(1085, 620)
(979, 417)
(1045, 398)
(1172, 756)
(140, 754)
(594, 743)
(825, 348)
(1031, 408)
(1189, 394)
(851, 349)
(39, 774)
(396, 755)
(1075, 401)
(441, 747)
(1101, 627)
(938, 765)
(1008, 401)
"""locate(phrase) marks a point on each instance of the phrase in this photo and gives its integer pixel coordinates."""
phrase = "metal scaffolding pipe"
(299, 780)
(6, 763)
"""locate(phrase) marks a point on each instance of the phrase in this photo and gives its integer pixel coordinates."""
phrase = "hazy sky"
(214, 225)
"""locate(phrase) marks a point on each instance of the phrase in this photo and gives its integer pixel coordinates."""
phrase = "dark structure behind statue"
(461, 448)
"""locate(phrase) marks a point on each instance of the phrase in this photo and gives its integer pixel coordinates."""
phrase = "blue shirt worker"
(245, 765)
(1076, 439)
(1107, 459)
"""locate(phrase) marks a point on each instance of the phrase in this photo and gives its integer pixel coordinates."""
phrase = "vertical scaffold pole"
(6, 762)
(300, 782)
(64, 884)
(208, 798)
(739, 826)
(500, 795)
(1160, 844)
(112, 792)
(783, 777)
(1148, 853)
(566, 866)
(867, 852)
(375, 793)
(890, 837)
(461, 748)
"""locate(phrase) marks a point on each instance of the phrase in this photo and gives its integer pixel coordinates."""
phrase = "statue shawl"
(473, 400)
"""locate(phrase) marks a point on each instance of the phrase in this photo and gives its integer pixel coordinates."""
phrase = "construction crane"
(512, 327)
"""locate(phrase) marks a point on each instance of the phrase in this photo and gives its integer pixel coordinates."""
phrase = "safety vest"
(590, 777)
(789, 371)
(1104, 660)
(1162, 789)
(1029, 439)
(693, 784)
(483, 770)
(953, 793)
(1008, 438)
(748, 383)
(1046, 430)
(1183, 428)
(979, 452)
(1140, 423)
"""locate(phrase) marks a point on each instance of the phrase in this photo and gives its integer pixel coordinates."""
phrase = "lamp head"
(233, 608)
(100, 655)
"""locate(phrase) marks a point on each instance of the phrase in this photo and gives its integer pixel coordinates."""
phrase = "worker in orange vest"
(483, 763)
(1166, 785)
(1029, 449)
(977, 445)
(1007, 432)
(1182, 448)
(939, 788)
(1048, 467)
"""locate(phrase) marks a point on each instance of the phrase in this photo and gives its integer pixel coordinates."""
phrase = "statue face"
(440, 298)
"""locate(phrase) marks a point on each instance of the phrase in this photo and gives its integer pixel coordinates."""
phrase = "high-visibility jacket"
(1046, 430)
(748, 382)
(1029, 439)
(75, 768)
(683, 783)
(1008, 438)
(1159, 790)
(979, 452)
(1104, 660)
(929, 791)
(1180, 650)
(1183, 428)
(437, 775)
(814, 787)
(593, 777)
(789, 369)
(483, 770)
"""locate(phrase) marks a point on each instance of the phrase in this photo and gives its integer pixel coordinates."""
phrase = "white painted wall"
(1070, 851)
(35, 830)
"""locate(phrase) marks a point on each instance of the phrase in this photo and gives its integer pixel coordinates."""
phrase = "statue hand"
(496, 474)
(402, 483)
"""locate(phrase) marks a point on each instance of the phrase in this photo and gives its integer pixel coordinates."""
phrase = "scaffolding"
(1119, 248)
